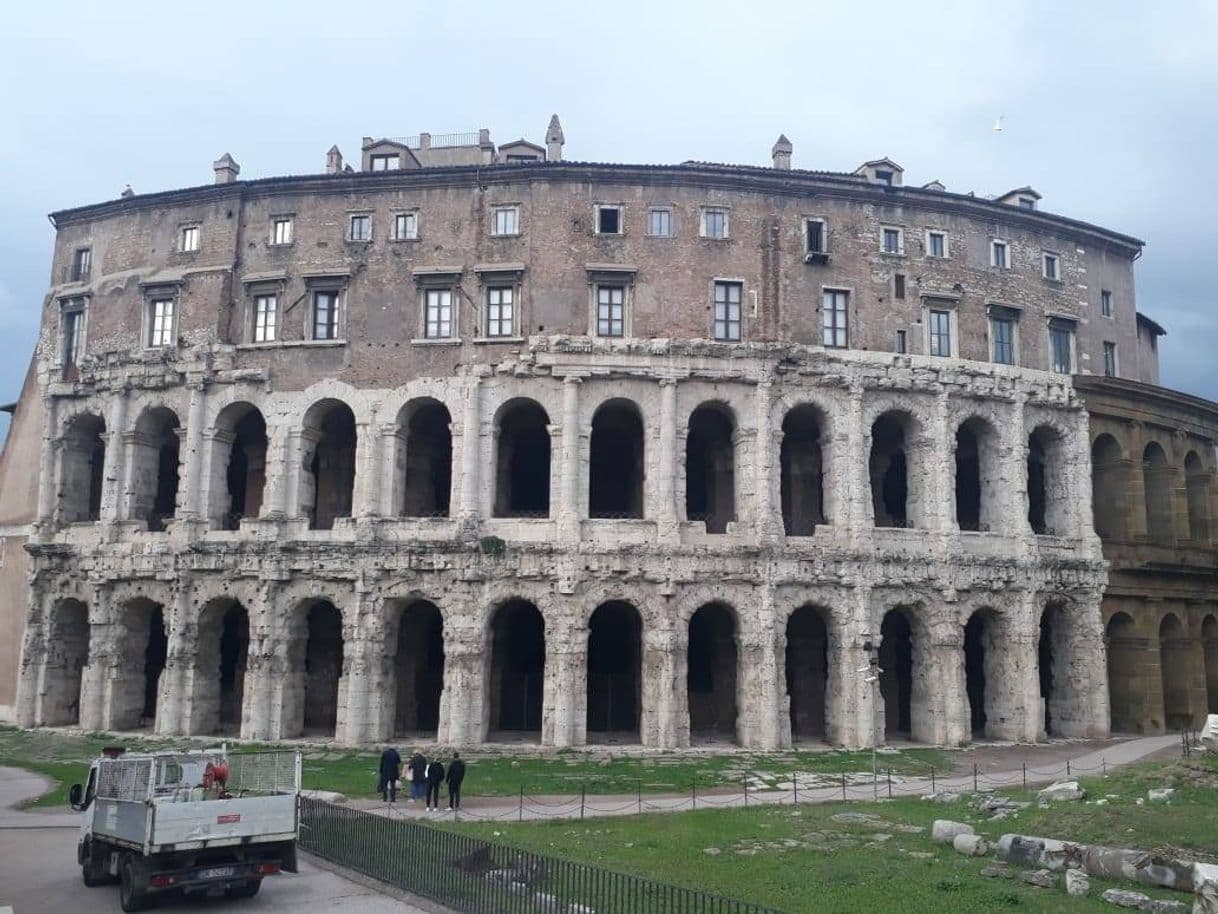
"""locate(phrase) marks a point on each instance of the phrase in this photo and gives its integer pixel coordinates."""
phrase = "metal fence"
(476, 876)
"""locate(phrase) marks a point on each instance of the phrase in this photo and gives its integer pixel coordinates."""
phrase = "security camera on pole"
(871, 675)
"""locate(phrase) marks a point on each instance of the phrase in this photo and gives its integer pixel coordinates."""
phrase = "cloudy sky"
(1110, 110)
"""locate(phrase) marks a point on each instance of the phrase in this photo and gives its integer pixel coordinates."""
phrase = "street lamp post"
(871, 675)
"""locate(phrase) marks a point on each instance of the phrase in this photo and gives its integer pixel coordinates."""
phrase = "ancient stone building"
(478, 444)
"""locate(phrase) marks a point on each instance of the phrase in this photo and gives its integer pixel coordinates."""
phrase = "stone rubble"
(944, 831)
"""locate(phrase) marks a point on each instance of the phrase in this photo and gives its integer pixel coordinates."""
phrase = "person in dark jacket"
(390, 770)
(435, 777)
(456, 774)
(418, 776)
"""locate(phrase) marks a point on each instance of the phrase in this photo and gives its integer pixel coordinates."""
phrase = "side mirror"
(76, 793)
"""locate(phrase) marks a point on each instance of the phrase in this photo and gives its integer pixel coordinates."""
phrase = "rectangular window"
(814, 230)
(405, 226)
(891, 241)
(1060, 343)
(360, 228)
(438, 314)
(507, 221)
(1027, 203)
(1110, 360)
(73, 332)
(1106, 303)
(501, 311)
(941, 333)
(160, 322)
(1052, 266)
(834, 305)
(936, 244)
(902, 341)
(999, 255)
(898, 285)
(659, 222)
(608, 220)
(386, 162)
(281, 230)
(190, 239)
(714, 222)
(884, 177)
(266, 311)
(727, 311)
(325, 315)
(82, 264)
(610, 310)
(1002, 332)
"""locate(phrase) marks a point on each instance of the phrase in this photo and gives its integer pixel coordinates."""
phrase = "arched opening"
(67, 654)
(155, 655)
(1124, 647)
(893, 500)
(220, 662)
(1156, 476)
(1197, 490)
(615, 656)
(802, 471)
(807, 664)
(711, 673)
(154, 469)
(1174, 666)
(315, 665)
(136, 678)
(710, 468)
(82, 470)
(518, 667)
(240, 465)
(1048, 494)
(983, 645)
(523, 464)
(1109, 488)
(1209, 638)
(418, 666)
(977, 475)
(897, 676)
(427, 479)
(615, 467)
(329, 446)
(1058, 685)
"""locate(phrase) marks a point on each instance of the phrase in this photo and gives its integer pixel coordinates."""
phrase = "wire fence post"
(693, 791)
(583, 796)
(639, 788)
(1025, 775)
(520, 807)
(1104, 765)
(795, 785)
(974, 777)
(1067, 767)
(890, 783)
(843, 785)
(746, 791)
(932, 778)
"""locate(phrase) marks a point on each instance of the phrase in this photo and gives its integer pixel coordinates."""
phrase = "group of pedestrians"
(425, 778)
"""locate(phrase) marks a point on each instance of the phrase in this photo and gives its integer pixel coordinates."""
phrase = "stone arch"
(1124, 649)
(82, 463)
(615, 672)
(978, 475)
(712, 672)
(896, 498)
(515, 676)
(1156, 479)
(710, 466)
(1109, 488)
(802, 470)
(1197, 492)
(415, 639)
(220, 661)
(1048, 488)
(143, 645)
(522, 459)
(155, 470)
(985, 646)
(423, 459)
(808, 672)
(237, 477)
(328, 454)
(67, 654)
(616, 461)
(1175, 667)
(314, 666)
(905, 676)
(1209, 640)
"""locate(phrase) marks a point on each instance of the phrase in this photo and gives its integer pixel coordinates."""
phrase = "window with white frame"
(714, 222)
(438, 314)
(608, 219)
(835, 309)
(939, 332)
(610, 310)
(325, 322)
(1105, 303)
(506, 220)
(1061, 346)
(659, 222)
(359, 227)
(1002, 338)
(82, 264)
(266, 318)
(501, 311)
(73, 324)
(892, 240)
(386, 161)
(727, 310)
(188, 239)
(281, 230)
(1000, 255)
(1110, 360)
(936, 244)
(405, 227)
(162, 318)
(1052, 265)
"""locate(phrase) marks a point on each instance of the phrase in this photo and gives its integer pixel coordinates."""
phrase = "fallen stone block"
(944, 831)
(1077, 882)
(1160, 794)
(971, 845)
(1205, 884)
(1125, 899)
(1062, 790)
(942, 796)
(1041, 878)
(998, 871)
(1209, 734)
(1162, 906)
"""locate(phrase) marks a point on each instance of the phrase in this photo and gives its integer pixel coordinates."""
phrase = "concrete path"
(508, 809)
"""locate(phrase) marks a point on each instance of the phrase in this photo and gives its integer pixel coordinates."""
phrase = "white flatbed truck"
(202, 821)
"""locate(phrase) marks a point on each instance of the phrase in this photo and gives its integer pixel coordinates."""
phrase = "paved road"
(39, 874)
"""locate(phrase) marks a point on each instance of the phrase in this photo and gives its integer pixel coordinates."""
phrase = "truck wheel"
(130, 897)
(90, 870)
(249, 890)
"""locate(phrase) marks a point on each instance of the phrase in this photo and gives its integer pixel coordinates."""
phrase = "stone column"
(1014, 472)
(463, 709)
(51, 458)
(193, 458)
(1022, 675)
(31, 682)
(758, 692)
(854, 719)
(93, 674)
(569, 513)
(565, 692)
(115, 474)
(1137, 482)
(858, 468)
(471, 460)
(666, 466)
(258, 688)
(663, 719)
(767, 515)
(214, 501)
(181, 703)
(391, 479)
(939, 502)
(949, 689)
(365, 495)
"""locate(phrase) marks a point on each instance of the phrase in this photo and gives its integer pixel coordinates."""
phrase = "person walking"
(418, 776)
(456, 774)
(389, 771)
(435, 777)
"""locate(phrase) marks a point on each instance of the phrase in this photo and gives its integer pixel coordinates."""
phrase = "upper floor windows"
(936, 244)
(82, 264)
(892, 240)
(501, 311)
(325, 324)
(281, 230)
(727, 310)
(1002, 336)
(1105, 303)
(161, 322)
(816, 239)
(359, 227)
(610, 310)
(505, 220)
(1051, 266)
(834, 318)
(1110, 359)
(72, 323)
(1061, 345)
(405, 227)
(1000, 254)
(266, 318)
(940, 321)
(385, 161)
(659, 222)
(608, 220)
(714, 222)
(438, 323)
(188, 239)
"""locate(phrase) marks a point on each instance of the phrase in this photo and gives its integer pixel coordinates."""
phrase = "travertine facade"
(579, 451)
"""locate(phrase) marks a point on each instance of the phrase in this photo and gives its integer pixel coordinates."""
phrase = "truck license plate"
(231, 819)
(217, 872)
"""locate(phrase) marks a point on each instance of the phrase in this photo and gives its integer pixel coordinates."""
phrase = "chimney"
(782, 153)
(425, 141)
(128, 192)
(334, 161)
(486, 147)
(226, 169)
(554, 140)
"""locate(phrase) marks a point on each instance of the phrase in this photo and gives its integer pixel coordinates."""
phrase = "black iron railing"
(484, 877)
